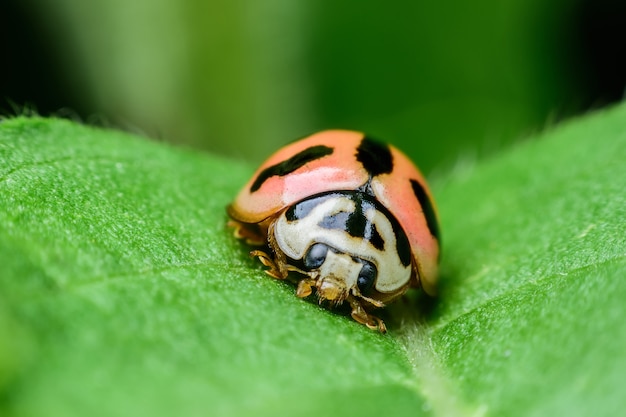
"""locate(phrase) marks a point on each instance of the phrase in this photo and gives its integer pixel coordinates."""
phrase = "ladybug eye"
(316, 256)
(367, 276)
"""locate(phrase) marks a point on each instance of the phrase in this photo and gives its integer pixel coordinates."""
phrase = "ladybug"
(352, 217)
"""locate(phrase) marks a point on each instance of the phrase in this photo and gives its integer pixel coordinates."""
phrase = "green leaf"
(122, 291)
(532, 303)
(121, 278)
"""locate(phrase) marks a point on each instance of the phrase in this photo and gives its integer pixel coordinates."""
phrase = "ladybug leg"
(376, 303)
(252, 234)
(360, 315)
(276, 269)
(274, 259)
(305, 287)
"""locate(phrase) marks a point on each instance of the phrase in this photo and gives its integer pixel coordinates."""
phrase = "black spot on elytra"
(290, 165)
(375, 157)
(427, 206)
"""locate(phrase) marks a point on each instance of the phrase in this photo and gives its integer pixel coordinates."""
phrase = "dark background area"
(443, 81)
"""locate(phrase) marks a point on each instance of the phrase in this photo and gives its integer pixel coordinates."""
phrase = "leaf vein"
(49, 162)
(533, 283)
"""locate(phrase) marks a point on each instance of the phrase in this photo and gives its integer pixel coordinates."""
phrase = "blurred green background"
(446, 81)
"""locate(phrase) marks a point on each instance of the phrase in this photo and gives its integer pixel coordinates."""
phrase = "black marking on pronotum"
(375, 157)
(376, 239)
(290, 165)
(357, 225)
(354, 222)
(303, 208)
(427, 206)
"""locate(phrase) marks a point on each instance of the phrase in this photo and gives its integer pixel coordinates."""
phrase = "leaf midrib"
(430, 381)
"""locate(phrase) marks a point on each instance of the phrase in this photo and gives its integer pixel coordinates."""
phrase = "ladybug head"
(337, 275)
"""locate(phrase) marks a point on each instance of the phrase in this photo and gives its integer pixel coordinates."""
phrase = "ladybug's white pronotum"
(351, 216)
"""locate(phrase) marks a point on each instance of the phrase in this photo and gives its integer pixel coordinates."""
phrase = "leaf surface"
(123, 292)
